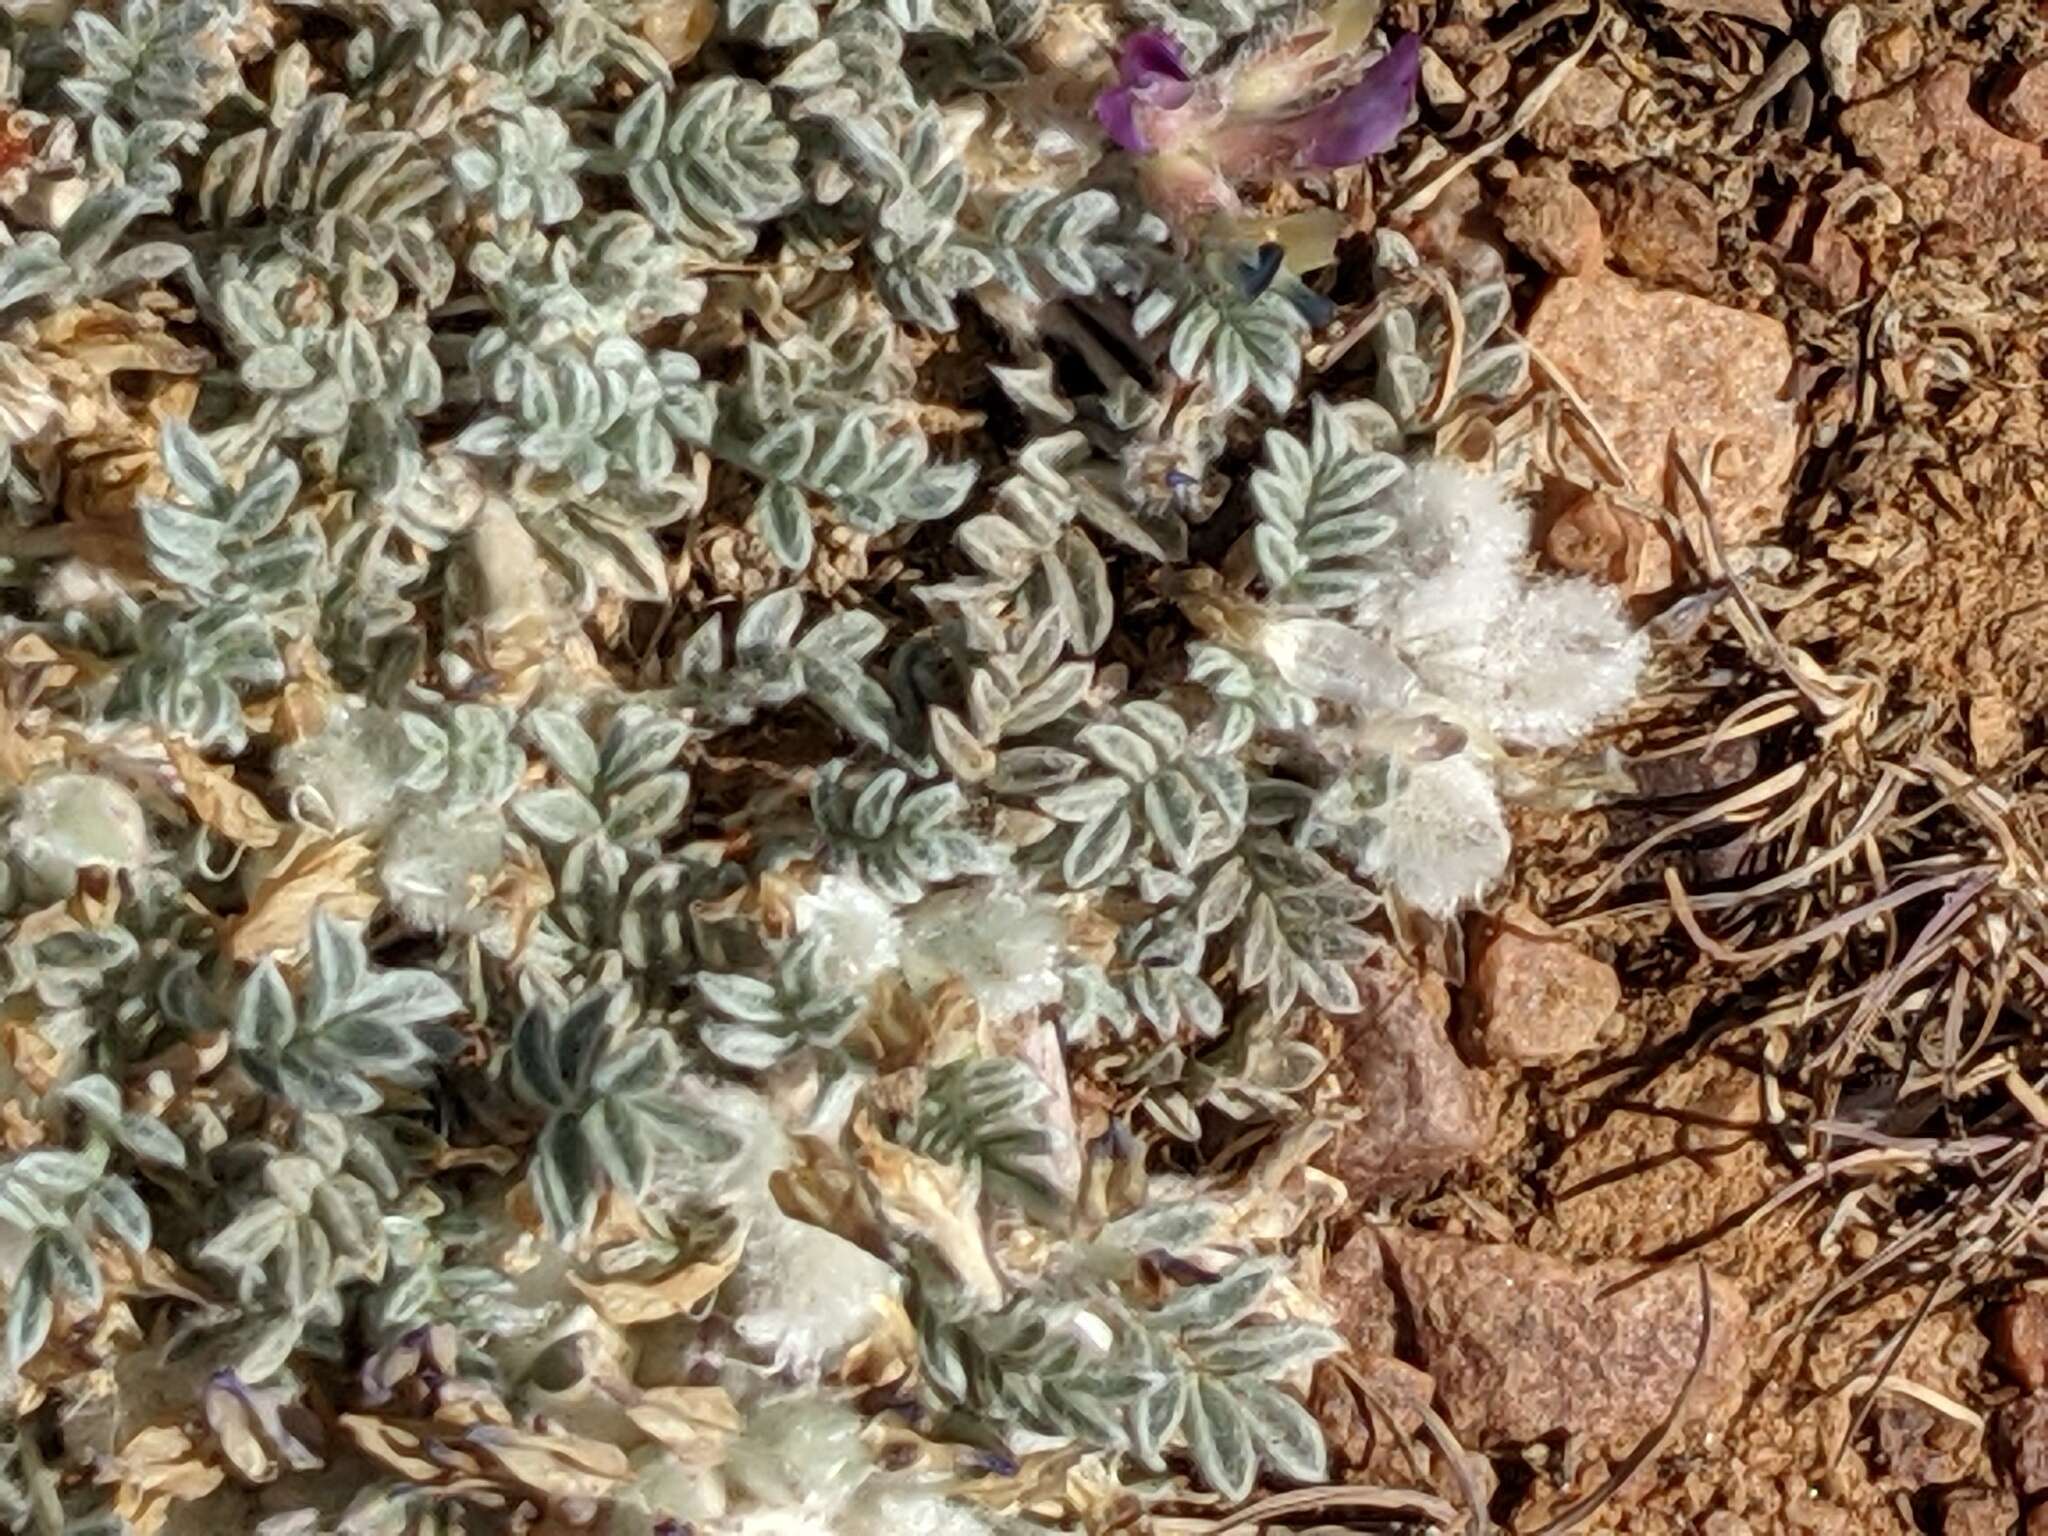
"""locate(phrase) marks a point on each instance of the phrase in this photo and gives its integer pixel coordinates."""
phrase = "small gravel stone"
(1978, 1512)
(2019, 1339)
(1928, 141)
(1535, 998)
(1362, 1299)
(1552, 222)
(1597, 537)
(2023, 1426)
(2021, 105)
(1662, 228)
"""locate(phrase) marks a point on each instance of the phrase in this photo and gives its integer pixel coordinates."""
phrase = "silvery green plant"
(609, 1094)
(1196, 1372)
(351, 1027)
(988, 1114)
(788, 599)
(187, 673)
(304, 1228)
(626, 790)
(756, 1022)
(56, 1198)
(226, 543)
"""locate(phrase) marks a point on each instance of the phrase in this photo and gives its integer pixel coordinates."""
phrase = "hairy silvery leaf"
(608, 1087)
(227, 543)
(523, 167)
(899, 841)
(31, 1306)
(154, 59)
(1041, 243)
(757, 1023)
(1240, 345)
(1219, 1437)
(773, 23)
(187, 674)
(352, 1027)
(1318, 518)
(711, 165)
(990, 1114)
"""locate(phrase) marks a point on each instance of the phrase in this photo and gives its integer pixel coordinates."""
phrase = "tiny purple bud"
(1152, 77)
(1366, 118)
(1150, 55)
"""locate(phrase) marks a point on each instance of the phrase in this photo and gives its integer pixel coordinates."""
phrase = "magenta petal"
(1116, 110)
(1148, 56)
(1152, 80)
(1365, 119)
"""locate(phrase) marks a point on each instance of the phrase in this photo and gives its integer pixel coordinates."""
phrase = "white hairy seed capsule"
(436, 866)
(1002, 945)
(352, 767)
(863, 937)
(1537, 662)
(66, 822)
(1443, 839)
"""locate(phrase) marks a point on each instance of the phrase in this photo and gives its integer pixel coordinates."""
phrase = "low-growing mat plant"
(695, 699)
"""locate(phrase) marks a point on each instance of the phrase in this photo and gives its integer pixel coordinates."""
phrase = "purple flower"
(1365, 119)
(1152, 78)
(1148, 56)
(1360, 121)
(1157, 108)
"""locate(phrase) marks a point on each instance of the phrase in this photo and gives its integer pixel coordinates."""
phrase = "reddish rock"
(1661, 227)
(1598, 537)
(1653, 365)
(1552, 222)
(1397, 1389)
(1372, 1416)
(1895, 52)
(2021, 105)
(2037, 1520)
(2019, 1339)
(1420, 1113)
(1360, 1296)
(1928, 141)
(1534, 997)
(1381, 1403)
(2023, 1427)
(1835, 263)
(1524, 1346)
(1978, 1512)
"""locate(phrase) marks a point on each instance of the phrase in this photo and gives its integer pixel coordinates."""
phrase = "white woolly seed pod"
(66, 822)
(1442, 840)
(862, 935)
